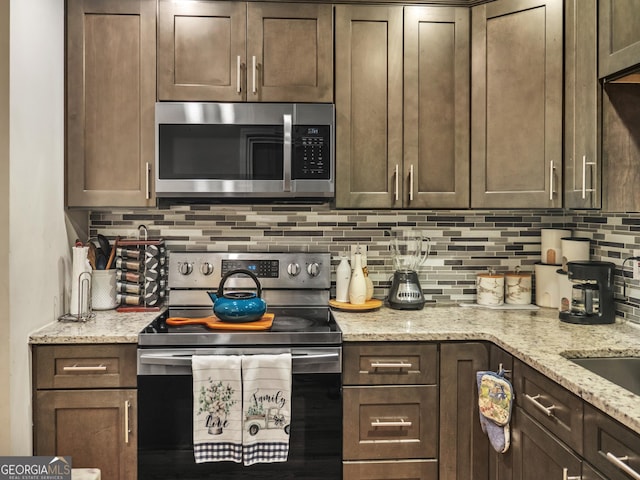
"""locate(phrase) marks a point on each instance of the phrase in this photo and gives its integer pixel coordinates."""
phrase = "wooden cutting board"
(215, 323)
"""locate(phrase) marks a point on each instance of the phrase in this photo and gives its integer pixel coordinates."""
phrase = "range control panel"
(204, 270)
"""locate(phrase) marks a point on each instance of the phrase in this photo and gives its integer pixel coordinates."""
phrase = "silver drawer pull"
(547, 410)
(76, 368)
(395, 423)
(619, 462)
(391, 365)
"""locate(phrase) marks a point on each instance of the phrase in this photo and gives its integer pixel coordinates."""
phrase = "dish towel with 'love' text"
(217, 408)
(266, 403)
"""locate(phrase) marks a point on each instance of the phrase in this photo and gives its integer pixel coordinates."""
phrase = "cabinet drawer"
(605, 439)
(85, 366)
(400, 470)
(390, 422)
(391, 364)
(557, 409)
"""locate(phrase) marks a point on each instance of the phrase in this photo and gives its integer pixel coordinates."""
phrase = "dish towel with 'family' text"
(266, 403)
(217, 408)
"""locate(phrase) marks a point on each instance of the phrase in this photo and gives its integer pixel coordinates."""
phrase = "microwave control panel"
(311, 153)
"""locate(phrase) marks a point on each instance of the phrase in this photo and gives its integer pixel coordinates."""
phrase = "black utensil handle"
(234, 272)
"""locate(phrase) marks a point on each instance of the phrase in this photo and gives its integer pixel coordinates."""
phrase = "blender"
(407, 252)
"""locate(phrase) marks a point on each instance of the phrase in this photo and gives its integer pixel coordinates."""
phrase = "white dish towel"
(266, 405)
(217, 408)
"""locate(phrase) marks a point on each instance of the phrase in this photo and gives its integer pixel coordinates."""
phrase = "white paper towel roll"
(80, 290)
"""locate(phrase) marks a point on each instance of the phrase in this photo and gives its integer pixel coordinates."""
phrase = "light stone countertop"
(108, 326)
(537, 337)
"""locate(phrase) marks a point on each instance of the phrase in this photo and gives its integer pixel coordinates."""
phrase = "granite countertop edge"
(537, 337)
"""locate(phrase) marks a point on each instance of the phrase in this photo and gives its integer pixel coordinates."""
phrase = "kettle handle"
(233, 272)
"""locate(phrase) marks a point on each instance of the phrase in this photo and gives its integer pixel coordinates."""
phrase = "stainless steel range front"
(295, 287)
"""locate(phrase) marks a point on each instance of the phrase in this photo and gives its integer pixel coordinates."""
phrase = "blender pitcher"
(408, 255)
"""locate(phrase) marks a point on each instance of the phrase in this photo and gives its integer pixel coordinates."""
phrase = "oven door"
(165, 429)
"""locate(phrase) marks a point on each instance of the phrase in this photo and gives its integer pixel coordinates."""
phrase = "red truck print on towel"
(265, 412)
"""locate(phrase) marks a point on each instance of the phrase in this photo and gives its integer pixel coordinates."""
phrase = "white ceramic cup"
(547, 293)
(517, 288)
(551, 245)
(490, 288)
(103, 290)
(575, 249)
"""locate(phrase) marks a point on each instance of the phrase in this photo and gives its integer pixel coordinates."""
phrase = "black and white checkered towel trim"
(218, 452)
(266, 452)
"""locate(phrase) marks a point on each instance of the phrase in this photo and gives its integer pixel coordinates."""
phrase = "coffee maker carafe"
(407, 251)
(592, 299)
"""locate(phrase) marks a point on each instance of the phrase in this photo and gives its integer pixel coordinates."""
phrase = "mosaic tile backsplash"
(463, 242)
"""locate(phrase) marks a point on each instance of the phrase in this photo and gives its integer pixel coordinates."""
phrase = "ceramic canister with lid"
(551, 245)
(575, 249)
(547, 293)
(517, 287)
(490, 288)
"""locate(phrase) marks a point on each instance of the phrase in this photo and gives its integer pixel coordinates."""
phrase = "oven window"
(165, 442)
(220, 152)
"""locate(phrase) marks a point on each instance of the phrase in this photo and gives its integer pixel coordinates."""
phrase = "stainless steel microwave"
(245, 150)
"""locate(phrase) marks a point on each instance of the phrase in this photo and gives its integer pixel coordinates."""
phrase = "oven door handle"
(185, 359)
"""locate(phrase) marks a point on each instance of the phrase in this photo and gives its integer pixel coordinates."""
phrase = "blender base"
(405, 292)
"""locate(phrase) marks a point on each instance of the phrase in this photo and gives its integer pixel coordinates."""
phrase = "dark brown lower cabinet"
(464, 448)
(392, 470)
(538, 455)
(97, 428)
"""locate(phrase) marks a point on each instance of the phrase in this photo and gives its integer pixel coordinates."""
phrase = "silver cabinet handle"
(396, 423)
(547, 410)
(391, 365)
(254, 74)
(552, 169)
(76, 368)
(565, 475)
(286, 184)
(239, 73)
(127, 428)
(411, 183)
(584, 176)
(148, 180)
(397, 181)
(619, 463)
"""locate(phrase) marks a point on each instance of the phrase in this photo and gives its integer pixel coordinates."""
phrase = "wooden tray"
(215, 323)
(372, 304)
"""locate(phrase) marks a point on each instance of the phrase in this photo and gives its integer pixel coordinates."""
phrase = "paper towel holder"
(85, 311)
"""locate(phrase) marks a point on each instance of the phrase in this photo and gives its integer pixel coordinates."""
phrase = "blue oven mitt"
(495, 402)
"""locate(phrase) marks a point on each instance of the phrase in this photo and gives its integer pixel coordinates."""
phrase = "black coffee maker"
(592, 295)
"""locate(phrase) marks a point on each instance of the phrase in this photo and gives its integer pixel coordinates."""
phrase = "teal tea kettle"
(238, 306)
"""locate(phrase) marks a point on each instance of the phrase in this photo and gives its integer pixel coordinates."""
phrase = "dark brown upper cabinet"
(619, 36)
(236, 51)
(516, 104)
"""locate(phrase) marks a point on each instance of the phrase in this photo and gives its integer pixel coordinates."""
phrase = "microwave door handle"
(286, 184)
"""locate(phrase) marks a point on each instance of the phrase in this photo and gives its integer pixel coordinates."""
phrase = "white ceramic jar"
(490, 288)
(517, 288)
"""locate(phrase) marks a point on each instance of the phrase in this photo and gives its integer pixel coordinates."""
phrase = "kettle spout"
(213, 296)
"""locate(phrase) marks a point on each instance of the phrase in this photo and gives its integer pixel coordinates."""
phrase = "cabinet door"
(289, 52)
(610, 447)
(111, 80)
(368, 106)
(619, 36)
(436, 107)
(464, 448)
(97, 428)
(201, 50)
(538, 454)
(516, 124)
(582, 101)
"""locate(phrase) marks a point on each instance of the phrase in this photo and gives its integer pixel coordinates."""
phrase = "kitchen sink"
(623, 371)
